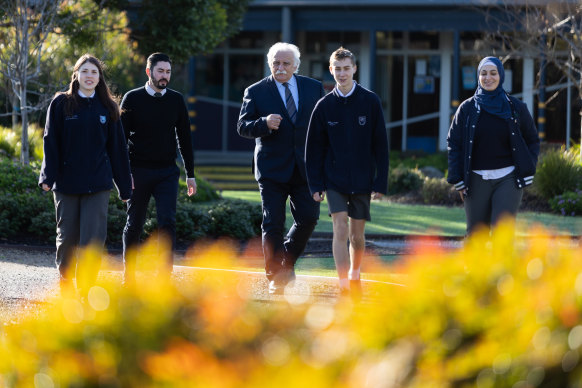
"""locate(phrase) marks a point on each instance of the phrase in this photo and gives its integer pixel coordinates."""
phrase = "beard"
(156, 83)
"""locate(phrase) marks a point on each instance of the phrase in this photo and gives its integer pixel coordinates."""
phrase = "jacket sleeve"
(117, 151)
(316, 145)
(126, 113)
(455, 151)
(529, 133)
(380, 150)
(185, 138)
(250, 124)
(51, 158)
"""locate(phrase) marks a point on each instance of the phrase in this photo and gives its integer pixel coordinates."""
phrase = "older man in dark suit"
(276, 112)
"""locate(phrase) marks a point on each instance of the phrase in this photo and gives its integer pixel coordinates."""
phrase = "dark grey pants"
(490, 200)
(81, 220)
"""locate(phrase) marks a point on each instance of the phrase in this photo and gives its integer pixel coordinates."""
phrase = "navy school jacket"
(84, 152)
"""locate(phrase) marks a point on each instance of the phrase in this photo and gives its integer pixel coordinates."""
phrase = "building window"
(248, 40)
(244, 70)
(424, 40)
(389, 40)
(327, 42)
(208, 80)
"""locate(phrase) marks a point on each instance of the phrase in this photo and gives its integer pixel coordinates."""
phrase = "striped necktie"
(290, 103)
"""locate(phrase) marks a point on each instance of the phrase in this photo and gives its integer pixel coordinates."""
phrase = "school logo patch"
(103, 119)
(362, 120)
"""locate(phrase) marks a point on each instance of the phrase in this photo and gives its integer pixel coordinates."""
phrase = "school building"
(420, 57)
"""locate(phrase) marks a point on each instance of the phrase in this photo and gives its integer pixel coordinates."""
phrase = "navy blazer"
(524, 142)
(277, 152)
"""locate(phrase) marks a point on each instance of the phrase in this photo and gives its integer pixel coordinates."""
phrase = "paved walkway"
(28, 276)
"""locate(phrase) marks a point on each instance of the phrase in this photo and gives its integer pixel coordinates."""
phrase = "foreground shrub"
(439, 192)
(568, 204)
(558, 171)
(493, 314)
(403, 179)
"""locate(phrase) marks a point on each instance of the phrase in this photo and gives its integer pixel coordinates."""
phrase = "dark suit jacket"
(277, 152)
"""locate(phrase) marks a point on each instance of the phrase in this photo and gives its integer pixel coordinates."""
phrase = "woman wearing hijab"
(84, 153)
(493, 148)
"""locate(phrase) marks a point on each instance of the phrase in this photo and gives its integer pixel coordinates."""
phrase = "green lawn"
(398, 219)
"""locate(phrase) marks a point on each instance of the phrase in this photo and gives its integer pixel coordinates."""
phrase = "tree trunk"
(24, 149)
(15, 110)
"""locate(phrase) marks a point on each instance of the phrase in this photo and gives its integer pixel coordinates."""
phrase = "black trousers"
(162, 184)
(282, 253)
(489, 200)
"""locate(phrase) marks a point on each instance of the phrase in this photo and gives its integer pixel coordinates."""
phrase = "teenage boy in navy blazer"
(275, 112)
(347, 157)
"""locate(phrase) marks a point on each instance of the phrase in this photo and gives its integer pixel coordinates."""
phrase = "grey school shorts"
(357, 205)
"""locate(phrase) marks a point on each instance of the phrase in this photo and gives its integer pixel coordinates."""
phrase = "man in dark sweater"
(153, 117)
(346, 156)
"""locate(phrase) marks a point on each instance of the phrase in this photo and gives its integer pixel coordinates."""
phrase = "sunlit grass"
(499, 312)
(399, 219)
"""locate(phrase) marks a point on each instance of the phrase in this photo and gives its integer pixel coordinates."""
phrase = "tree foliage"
(552, 31)
(181, 28)
(43, 39)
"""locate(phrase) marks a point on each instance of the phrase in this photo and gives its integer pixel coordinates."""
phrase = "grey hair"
(281, 46)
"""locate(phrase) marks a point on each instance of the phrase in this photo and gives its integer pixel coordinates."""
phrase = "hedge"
(27, 213)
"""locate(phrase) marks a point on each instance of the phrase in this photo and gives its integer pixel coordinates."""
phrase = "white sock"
(344, 284)
(354, 274)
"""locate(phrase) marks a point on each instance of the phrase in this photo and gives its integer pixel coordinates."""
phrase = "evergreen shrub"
(236, 218)
(437, 191)
(403, 179)
(568, 204)
(27, 212)
(558, 171)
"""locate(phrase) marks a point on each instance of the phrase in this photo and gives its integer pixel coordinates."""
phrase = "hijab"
(493, 101)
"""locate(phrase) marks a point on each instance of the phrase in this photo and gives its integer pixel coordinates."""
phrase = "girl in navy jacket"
(84, 153)
(493, 149)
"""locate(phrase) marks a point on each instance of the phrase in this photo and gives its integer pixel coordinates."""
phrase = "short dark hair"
(157, 57)
(342, 53)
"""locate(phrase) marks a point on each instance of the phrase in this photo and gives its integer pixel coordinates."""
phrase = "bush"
(490, 314)
(205, 192)
(28, 212)
(22, 202)
(416, 159)
(568, 204)
(437, 191)
(191, 222)
(558, 171)
(403, 179)
(236, 218)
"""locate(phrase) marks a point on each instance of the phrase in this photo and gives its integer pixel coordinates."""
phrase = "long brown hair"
(101, 90)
